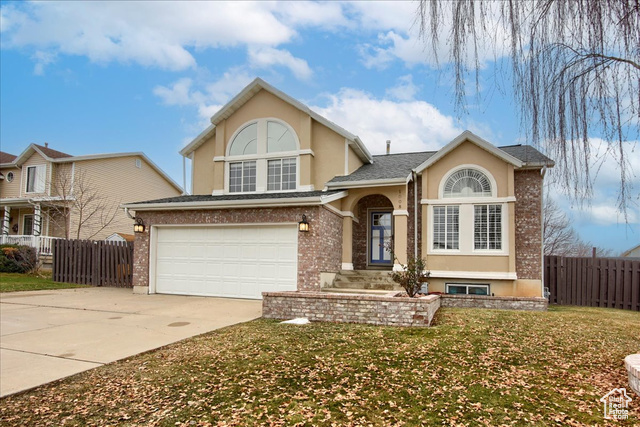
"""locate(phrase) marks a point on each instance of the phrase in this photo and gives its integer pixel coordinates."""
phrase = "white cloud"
(405, 90)
(179, 93)
(266, 57)
(410, 125)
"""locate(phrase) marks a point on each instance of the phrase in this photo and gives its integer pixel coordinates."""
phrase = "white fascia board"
(22, 157)
(197, 141)
(368, 183)
(8, 165)
(468, 200)
(469, 136)
(482, 275)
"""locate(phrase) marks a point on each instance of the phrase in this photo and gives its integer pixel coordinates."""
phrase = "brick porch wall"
(528, 218)
(319, 250)
(359, 247)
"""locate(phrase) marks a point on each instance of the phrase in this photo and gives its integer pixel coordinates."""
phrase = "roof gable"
(249, 92)
(46, 152)
(475, 139)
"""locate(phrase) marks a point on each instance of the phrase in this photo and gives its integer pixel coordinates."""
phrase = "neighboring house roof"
(247, 93)
(240, 199)
(632, 253)
(55, 156)
(6, 158)
(121, 237)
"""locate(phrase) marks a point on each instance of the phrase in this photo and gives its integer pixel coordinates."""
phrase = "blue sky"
(96, 77)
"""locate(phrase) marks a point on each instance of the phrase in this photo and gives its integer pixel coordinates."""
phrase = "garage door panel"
(231, 261)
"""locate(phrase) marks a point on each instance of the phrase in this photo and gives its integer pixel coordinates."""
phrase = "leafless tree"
(574, 67)
(75, 196)
(560, 238)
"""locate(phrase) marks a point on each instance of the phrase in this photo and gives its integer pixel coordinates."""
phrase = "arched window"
(467, 183)
(263, 156)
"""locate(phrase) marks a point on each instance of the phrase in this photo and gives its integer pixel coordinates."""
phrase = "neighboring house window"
(36, 178)
(27, 225)
(242, 177)
(467, 289)
(467, 183)
(446, 227)
(10, 177)
(487, 227)
(263, 156)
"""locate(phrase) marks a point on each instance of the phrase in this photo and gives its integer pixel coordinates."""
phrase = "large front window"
(487, 227)
(446, 227)
(36, 179)
(267, 158)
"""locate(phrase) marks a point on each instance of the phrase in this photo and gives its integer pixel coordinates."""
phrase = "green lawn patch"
(475, 367)
(13, 282)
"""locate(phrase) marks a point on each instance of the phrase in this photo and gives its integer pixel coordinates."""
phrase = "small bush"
(17, 259)
(412, 275)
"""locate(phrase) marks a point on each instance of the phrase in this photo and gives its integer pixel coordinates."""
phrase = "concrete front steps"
(372, 281)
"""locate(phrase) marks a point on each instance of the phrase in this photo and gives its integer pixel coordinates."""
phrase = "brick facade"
(528, 218)
(319, 250)
(360, 227)
(410, 219)
(502, 303)
(385, 310)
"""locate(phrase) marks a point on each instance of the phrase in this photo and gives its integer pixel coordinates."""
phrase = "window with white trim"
(36, 179)
(467, 183)
(242, 177)
(467, 289)
(487, 227)
(267, 153)
(446, 227)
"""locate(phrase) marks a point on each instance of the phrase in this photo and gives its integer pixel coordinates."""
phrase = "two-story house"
(46, 194)
(284, 199)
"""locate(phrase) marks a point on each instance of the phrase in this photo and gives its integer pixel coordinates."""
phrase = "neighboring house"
(42, 191)
(632, 253)
(472, 210)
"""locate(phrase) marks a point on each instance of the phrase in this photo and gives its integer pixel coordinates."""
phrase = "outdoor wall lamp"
(303, 225)
(138, 227)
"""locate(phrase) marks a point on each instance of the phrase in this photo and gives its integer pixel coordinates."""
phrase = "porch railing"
(43, 244)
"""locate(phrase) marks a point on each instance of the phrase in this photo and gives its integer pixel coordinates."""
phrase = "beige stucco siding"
(468, 153)
(354, 161)
(328, 148)
(9, 190)
(204, 168)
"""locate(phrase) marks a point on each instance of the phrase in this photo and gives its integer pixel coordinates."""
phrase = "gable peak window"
(263, 156)
(467, 183)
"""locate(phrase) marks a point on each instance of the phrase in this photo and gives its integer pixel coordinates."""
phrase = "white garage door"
(227, 261)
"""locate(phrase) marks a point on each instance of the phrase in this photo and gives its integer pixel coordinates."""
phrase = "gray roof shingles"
(240, 196)
(392, 166)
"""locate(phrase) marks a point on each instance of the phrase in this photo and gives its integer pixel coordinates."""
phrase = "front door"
(380, 233)
(27, 226)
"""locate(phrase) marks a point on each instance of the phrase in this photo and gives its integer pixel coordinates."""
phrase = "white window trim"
(466, 230)
(262, 157)
(498, 251)
(43, 168)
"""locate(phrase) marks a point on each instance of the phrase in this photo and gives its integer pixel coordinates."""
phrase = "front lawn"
(475, 367)
(12, 282)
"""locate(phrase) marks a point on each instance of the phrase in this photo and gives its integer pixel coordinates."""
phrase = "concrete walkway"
(48, 335)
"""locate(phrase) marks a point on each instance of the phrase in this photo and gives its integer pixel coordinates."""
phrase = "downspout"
(415, 214)
(126, 210)
(184, 175)
(543, 172)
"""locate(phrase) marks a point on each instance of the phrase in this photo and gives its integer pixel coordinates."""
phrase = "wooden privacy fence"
(593, 282)
(96, 263)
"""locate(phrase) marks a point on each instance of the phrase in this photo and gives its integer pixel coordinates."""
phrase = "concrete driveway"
(48, 335)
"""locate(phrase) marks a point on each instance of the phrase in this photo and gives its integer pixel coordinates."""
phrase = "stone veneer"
(632, 363)
(528, 218)
(319, 250)
(360, 250)
(386, 310)
(503, 303)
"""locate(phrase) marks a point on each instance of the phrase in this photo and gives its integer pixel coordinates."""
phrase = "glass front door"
(380, 233)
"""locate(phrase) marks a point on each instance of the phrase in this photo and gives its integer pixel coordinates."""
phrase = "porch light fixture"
(303, 225)
(138, 227)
